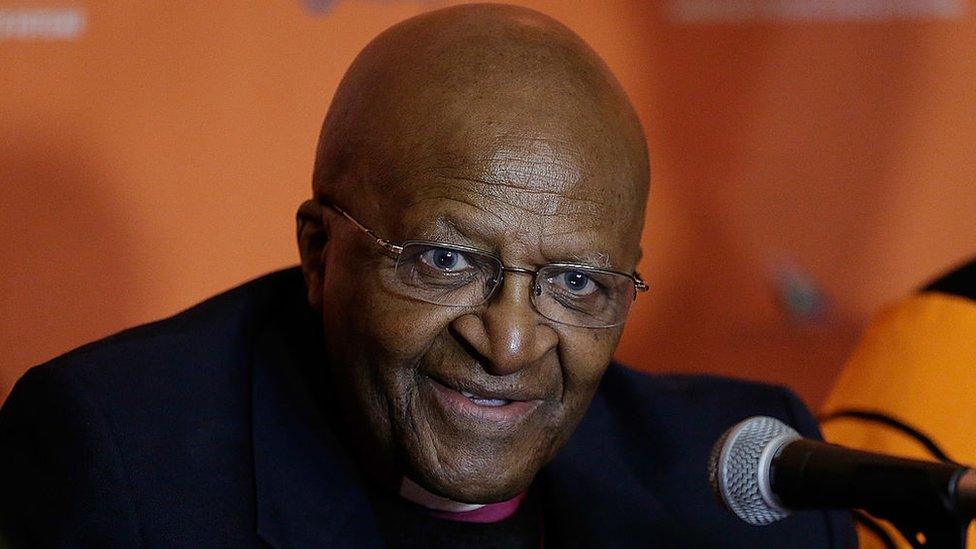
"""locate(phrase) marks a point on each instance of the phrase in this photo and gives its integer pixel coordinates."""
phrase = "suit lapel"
(596, 497)
(307, 494)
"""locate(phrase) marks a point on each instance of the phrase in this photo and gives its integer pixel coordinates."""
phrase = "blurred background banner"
(812, 160)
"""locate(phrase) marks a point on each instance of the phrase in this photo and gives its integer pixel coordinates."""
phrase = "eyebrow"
(445, 228)
(599, 260)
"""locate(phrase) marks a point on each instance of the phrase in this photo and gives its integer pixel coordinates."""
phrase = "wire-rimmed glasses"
(460, 276)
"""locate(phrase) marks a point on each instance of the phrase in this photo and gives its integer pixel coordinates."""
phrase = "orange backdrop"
(152, 154)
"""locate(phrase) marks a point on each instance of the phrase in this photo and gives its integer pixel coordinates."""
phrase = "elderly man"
(438, 373)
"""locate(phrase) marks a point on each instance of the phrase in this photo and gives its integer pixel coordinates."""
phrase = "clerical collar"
(443, 508)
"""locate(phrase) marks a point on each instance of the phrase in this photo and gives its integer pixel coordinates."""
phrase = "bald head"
(445, 84)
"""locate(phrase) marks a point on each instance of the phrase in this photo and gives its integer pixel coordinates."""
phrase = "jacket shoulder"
(702, 399)
(157, 417)
(198, 332)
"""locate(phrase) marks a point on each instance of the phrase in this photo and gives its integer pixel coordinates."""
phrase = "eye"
(446, 260)
(575, 282)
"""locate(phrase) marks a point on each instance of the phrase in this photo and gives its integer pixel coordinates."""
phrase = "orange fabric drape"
(917, 363)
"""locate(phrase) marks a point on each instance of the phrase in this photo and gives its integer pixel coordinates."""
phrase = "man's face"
(472, 401)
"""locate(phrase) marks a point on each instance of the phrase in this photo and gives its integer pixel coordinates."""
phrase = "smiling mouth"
(484, 409)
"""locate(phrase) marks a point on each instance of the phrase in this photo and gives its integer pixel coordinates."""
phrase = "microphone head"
(739, 468)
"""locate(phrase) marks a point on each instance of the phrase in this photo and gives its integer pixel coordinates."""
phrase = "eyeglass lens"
(568, 294)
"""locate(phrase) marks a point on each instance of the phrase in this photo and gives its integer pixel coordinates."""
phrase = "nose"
(508, 332)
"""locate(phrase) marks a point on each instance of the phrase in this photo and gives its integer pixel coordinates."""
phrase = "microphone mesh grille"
(736, 471)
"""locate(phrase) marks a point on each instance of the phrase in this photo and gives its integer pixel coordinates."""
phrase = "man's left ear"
(312, 238)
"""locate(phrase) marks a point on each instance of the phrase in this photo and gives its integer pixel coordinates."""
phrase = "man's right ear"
(313, 235)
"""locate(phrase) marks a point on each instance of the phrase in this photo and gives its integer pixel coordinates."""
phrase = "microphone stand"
(939, 528)
(945, 524)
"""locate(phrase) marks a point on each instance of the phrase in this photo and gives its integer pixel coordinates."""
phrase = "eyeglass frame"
(394, 251)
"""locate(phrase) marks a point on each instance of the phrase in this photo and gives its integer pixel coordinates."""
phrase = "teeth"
(489, 401)
(481, 401)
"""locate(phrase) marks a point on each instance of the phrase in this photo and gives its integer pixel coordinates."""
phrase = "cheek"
(373, 320)
(585, 356)
(399, 329)
(377, 339)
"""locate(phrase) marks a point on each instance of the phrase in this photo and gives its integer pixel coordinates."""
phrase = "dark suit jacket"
(203, 430)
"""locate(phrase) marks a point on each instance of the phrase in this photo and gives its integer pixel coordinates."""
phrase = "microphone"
(761, 469)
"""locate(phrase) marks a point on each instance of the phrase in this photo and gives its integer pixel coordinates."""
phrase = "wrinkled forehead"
(539, 175)
(534, 196)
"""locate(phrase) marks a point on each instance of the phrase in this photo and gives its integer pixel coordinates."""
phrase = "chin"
(476, 480)
(472, 492)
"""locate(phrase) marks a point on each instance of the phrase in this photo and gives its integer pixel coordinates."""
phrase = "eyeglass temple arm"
(390, 248)
(639, 283)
